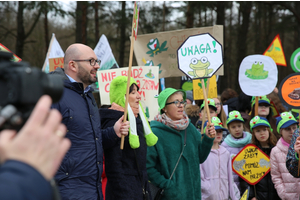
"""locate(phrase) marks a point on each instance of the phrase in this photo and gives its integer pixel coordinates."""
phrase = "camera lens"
(54, 87)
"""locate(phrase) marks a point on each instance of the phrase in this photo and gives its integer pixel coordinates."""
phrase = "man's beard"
(84, 76)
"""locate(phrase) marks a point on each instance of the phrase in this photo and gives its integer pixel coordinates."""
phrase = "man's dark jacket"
(79, 176)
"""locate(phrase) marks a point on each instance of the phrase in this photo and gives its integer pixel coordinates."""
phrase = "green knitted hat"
(211, 104)
(261, 99)
(165, 94)
(234, 116)
(118, 88)
(259, 121)
(285, 120)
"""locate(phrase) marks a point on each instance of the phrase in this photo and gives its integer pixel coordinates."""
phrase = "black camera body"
(22, 86)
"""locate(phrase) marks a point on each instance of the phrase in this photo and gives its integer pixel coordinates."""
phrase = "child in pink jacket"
(216, 172)
(288, 187)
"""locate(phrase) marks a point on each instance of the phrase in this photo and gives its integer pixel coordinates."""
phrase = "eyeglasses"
(92, 61)
(177, 103)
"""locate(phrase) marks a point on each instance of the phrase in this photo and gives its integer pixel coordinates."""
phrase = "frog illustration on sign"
(257, 71)
(155, 48)
(200, 67)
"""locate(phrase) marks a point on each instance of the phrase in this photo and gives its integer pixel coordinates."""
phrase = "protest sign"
(275, 51)
(251, 164)
(5, 49)
(200, 56)
(295, 60)
(289, 91)
(147, 79)
(198, 91)
(54, 51)
(104, 53)
(55, 63)
(160, 48)
(258, 75)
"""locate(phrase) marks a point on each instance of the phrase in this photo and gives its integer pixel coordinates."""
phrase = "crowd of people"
(76, 144)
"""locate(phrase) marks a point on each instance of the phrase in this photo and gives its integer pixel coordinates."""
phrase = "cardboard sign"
(258, 75)
(200, 56)
(147, 79)
(295, 60)
(15, 57)
(289, 90)
(198, 91)
(55, 63)
(275, 51)
(251, 164)
(160, 48)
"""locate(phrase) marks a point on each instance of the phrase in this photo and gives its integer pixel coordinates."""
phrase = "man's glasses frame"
(92, 61)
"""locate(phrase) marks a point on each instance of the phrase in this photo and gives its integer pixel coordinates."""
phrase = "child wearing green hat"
(236, 140)
(212, 112)
(263, 138)
(175, 133)
(218, 156)
(286, 185)
(264, 110)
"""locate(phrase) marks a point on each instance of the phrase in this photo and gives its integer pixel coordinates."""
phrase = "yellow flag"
(245, 195)
(275, 51)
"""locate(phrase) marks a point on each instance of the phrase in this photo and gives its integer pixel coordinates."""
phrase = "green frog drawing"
(257, 71)
(200, 67)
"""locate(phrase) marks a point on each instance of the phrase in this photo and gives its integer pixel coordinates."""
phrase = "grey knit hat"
(189, 95)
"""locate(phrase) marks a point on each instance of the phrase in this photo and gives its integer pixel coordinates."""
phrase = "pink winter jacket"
(216, 176)
(288, 187)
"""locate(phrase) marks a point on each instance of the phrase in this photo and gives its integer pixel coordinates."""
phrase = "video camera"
(21, 86)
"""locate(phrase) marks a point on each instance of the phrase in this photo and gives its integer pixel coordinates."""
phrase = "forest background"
(249, 28)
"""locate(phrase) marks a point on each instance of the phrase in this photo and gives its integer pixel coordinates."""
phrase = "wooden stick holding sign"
(206, 105)
(204, 109)
(133, 37)
(256, 106)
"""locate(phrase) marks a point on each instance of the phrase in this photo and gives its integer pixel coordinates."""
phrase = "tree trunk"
(46, 26)
(97, 36)
(190, 15)
(20, 30)
(243, 30)
(81, 22)
(245, 8)
(122, 34)
(164, 16)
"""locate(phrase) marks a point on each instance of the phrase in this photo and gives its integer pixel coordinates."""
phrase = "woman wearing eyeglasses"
(173, 129)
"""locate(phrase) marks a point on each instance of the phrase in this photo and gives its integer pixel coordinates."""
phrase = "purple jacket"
(234, 146)
(216, 176)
